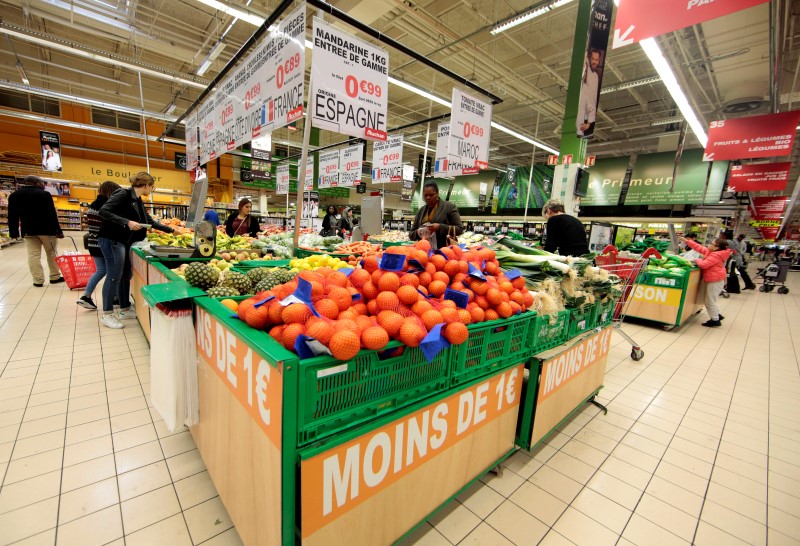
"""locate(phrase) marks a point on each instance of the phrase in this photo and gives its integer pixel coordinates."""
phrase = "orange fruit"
(275, 310)
(491, 314)
(449, 303)
(327, 308)
(409, 279)
(516, 296)
(464, 267)
(390, 321)
(457, 285)
(344, 344)
(319, 330)
(244, 307)
(423, 245)
(452, 268)
(364, 322)
(515, 307)
(425, 279)
(341, 296)
(464, 316)
(437, 288)
(432, 318)
(359, 308)
(376, 275)
(389, 281)
(456, 333)
(359, 276)
(470, 294)
(347, 324)
(493, 296)
(372, 307)
(311, 276)
(492, 268)
(337, 278)
(449, 314)
(528, 297)
(369, 290)
(277, 333)
(505, 310)
(507, 287)
(370, 263)
(421, 306)
(295, 313)
(408, 295)
(448, 252)
(477, 314)
(230, 304)
(317, 290)
(479, 287)
(430, 269)
(290, 334)
(423, 290)
(258, 317)
(519, 283)
(349, 314)
(441, 276)
(411, 332)
(482, 302)
(374, 338)
(505, 297)
(438, 261)
(324, 271)
(387, 300)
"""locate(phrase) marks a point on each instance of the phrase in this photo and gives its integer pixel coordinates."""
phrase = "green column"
(570, 143)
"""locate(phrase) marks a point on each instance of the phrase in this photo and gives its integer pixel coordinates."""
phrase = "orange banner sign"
(561, 370)
(340, 479)
(257, 385)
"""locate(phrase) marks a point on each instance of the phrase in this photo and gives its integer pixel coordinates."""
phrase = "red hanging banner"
(641, 19)
(766, 176)
(766, 214)
(769, 135)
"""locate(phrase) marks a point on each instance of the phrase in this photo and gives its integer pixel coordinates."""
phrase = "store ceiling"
(722, 65)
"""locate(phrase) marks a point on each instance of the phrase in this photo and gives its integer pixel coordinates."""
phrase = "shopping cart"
(773, 275)
(628, 270)
(76, 268)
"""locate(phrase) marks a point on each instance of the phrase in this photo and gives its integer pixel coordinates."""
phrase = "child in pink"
(714, 274)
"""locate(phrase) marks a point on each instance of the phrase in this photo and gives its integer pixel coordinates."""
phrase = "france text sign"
(387, 160)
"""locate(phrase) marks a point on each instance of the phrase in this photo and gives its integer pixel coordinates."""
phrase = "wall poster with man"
(593, 64)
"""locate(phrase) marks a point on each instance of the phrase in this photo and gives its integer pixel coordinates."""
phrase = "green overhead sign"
(605, 182)
(652, 184)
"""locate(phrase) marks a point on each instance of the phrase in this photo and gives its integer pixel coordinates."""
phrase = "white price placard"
(387, 160)
(191, 141)
(350, 165)
(350, 84)
(205, 121)
(308, 181)
(442, 139)
(328, 169)
(282, 179)
(470, 131)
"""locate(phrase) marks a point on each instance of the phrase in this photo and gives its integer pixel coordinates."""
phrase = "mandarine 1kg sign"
(371, 475)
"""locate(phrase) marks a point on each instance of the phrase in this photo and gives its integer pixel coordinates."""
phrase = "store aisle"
(701, 444)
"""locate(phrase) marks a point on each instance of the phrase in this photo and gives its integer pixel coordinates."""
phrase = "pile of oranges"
(373, 306)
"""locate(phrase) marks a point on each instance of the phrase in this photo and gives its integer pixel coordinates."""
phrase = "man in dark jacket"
(31, 209)
(565, 233)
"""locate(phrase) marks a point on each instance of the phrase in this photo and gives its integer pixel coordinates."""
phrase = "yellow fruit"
(230, 304)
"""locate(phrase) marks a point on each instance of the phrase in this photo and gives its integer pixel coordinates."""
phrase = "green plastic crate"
(492, 345)
(387, 244)
(303, 253)
(246, 265)
(549, 331)
(581, 319)
(335, 395)
(667, 281)
(605, 312)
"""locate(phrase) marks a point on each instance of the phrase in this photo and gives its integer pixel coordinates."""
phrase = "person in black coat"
(329, 222)
(94, 222)
(242, 223)
(123, 215)
(441, 216)
(32, 214)
(565, 233)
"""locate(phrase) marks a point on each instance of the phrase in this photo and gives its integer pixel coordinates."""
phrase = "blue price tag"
(513, 274)
(434, 343)
(393, 262)
(302, 348)
(262, 302)
(347, 271)
(302, 294)
(475, 272)
(457, 296)
(356, 297)
(415, 264)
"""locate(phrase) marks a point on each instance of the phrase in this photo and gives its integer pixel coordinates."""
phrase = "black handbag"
(732, 284)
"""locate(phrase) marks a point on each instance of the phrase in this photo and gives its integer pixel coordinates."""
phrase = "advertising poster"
(769, 135)
(261, 163)
(593, 64)
(51, 151)
(57, 188)
(766, 215)
(407, 191)
(762, 177)
(328, 169)
(350, 84)
(513, 187)
(605, 182)
(264, 93)
(442, 139)
(282, 179)
(310, 204)
(387, 160)
(638, 19)
(651, 180)
(350, 165)
(470, 132)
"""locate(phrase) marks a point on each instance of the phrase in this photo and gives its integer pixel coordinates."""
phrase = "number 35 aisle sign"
(350, 79)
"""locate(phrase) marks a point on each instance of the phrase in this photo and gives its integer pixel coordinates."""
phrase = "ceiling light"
(668, 121)
(418, 91)
(523, 138)
(97, 55)
(528, 15)
(251, 18)
(630, 84)
(22, 73)
(170, 108)
(215, 52)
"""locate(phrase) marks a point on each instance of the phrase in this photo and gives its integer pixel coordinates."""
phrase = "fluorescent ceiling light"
(170, 108)
(23, 76)
(523, 138)
(102, 57)
(629, 84)
(215, 52)
(418, 91)
(251, 18)
(668, 77)
(528, 15)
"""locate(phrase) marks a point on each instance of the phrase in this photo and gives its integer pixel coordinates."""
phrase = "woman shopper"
(123, 215)
(346, 223)
(242, 223)
(329, 222)
(94, 222)
(439, 218)
(714, 274)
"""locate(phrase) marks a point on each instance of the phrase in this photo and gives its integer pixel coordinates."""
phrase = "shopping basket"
(76, 268)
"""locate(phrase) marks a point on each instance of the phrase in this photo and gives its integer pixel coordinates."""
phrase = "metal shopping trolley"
(773, 275)
(628, 270)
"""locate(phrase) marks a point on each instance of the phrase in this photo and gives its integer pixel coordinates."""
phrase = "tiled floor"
(701, 444)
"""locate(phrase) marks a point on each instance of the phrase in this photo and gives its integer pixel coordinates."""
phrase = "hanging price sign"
(442, 140)
(470, 130)
(350, 165)
(282, 179)
(328, 169)
(387, 160)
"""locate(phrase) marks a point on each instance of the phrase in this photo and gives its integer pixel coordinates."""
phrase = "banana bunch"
(236, 242)
(184, 240)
